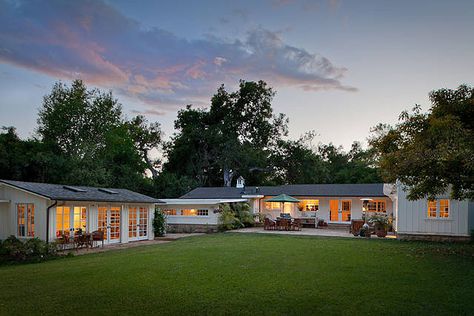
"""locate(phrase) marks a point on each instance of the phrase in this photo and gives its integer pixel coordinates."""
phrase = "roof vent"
(108, 191)
(74, 189)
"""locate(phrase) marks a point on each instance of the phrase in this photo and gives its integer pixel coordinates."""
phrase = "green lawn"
(249, 274)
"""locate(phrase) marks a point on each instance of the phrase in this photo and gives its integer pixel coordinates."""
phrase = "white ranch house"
(48, 211)
(336, 204)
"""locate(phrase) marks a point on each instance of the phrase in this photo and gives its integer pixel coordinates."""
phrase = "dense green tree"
(234, 136)
(431, 152)
(77, 120)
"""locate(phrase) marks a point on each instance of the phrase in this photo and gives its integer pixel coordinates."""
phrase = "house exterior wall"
(181, 223)
(413, 217)
(323, 212)
(8, 212)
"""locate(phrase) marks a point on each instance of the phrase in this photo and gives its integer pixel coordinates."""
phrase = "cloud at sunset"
(93, 41)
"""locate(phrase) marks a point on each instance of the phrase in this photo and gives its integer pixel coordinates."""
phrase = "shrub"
(14, 250)
(159, 223)
(228, 219)
(379, 221)
(472, 235)
(242, 212)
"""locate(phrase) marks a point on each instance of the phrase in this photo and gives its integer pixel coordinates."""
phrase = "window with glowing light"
(25, 220)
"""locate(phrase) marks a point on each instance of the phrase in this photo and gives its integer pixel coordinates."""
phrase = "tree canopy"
(84, 138)
(432, 152)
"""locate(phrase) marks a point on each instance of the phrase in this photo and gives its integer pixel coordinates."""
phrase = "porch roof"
(80, 193)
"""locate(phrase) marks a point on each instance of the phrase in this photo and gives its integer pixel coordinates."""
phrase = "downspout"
(47, 219)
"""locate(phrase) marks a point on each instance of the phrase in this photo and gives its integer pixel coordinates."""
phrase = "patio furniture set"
(81, 240)
(288, 224)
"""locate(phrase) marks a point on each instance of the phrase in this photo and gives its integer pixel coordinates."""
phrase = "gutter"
(47, 219)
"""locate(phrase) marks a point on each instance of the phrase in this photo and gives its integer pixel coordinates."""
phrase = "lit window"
(202, 212)
(80, 218)
(346, 206)
(444, 208)
(376, 206)
(432, 209)
(310, 205)
(272, 205)
(169, 212)
(191, 212)
(25, 220)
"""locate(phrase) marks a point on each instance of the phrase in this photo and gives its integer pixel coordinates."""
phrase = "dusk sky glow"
(339, 67)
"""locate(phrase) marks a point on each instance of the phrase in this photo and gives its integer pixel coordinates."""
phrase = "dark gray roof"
(62, 193)
(336, 190)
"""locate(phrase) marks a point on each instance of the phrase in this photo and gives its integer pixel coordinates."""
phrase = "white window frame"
(25, 218)
(202, 210)
(438, 210)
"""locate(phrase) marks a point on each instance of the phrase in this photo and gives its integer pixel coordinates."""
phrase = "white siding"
(9, 216)
(211, 219)
(413, 219)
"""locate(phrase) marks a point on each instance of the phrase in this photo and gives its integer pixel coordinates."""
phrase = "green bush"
(242, 211)
(228, 218)
(159, 223)
(14, 250)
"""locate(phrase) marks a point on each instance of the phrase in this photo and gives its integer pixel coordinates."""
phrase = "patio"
(303, 232)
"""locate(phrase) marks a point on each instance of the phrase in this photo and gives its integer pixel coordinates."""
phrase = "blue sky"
(339, 67)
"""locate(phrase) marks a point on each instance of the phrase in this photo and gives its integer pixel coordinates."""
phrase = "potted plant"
(380, 223)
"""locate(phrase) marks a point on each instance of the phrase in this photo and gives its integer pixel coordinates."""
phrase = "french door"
(109, 222)
(342, 214)
(137, 223)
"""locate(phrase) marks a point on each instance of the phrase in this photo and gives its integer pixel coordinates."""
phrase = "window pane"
(203, 213)
(444, 208)
(309, 205)
(169, 212)
(431, 209)
(191, 212)
(21, 229)
(143, 221)
(80, 218)
(31, 220)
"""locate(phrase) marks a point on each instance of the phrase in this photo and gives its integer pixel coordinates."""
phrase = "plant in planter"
(380, 223)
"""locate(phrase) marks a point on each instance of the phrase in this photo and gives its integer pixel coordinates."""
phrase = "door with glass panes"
(109, 223)
(137, 223)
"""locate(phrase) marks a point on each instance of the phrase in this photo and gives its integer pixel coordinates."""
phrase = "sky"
(338, 67)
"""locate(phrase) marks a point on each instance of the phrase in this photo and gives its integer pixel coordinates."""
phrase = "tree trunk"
(228, 175)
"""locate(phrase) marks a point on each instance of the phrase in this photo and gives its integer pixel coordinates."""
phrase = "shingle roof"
(335, 190)
(63, 193)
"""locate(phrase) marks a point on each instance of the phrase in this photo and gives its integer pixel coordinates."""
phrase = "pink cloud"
(93, 41)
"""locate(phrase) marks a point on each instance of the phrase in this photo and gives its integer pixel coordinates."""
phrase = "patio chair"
(284, 224)
(296, 224)
(269, 224)
(98, 235)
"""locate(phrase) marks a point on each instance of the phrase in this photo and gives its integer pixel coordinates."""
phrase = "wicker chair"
(269, 224)
(98, 235)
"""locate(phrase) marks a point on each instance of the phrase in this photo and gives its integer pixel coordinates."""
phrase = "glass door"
(114, 224)
(143, 223)
(334, 210)
(109, 223)
(346, 210)
(133, 224)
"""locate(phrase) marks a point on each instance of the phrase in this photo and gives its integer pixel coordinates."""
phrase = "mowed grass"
(249, 274)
